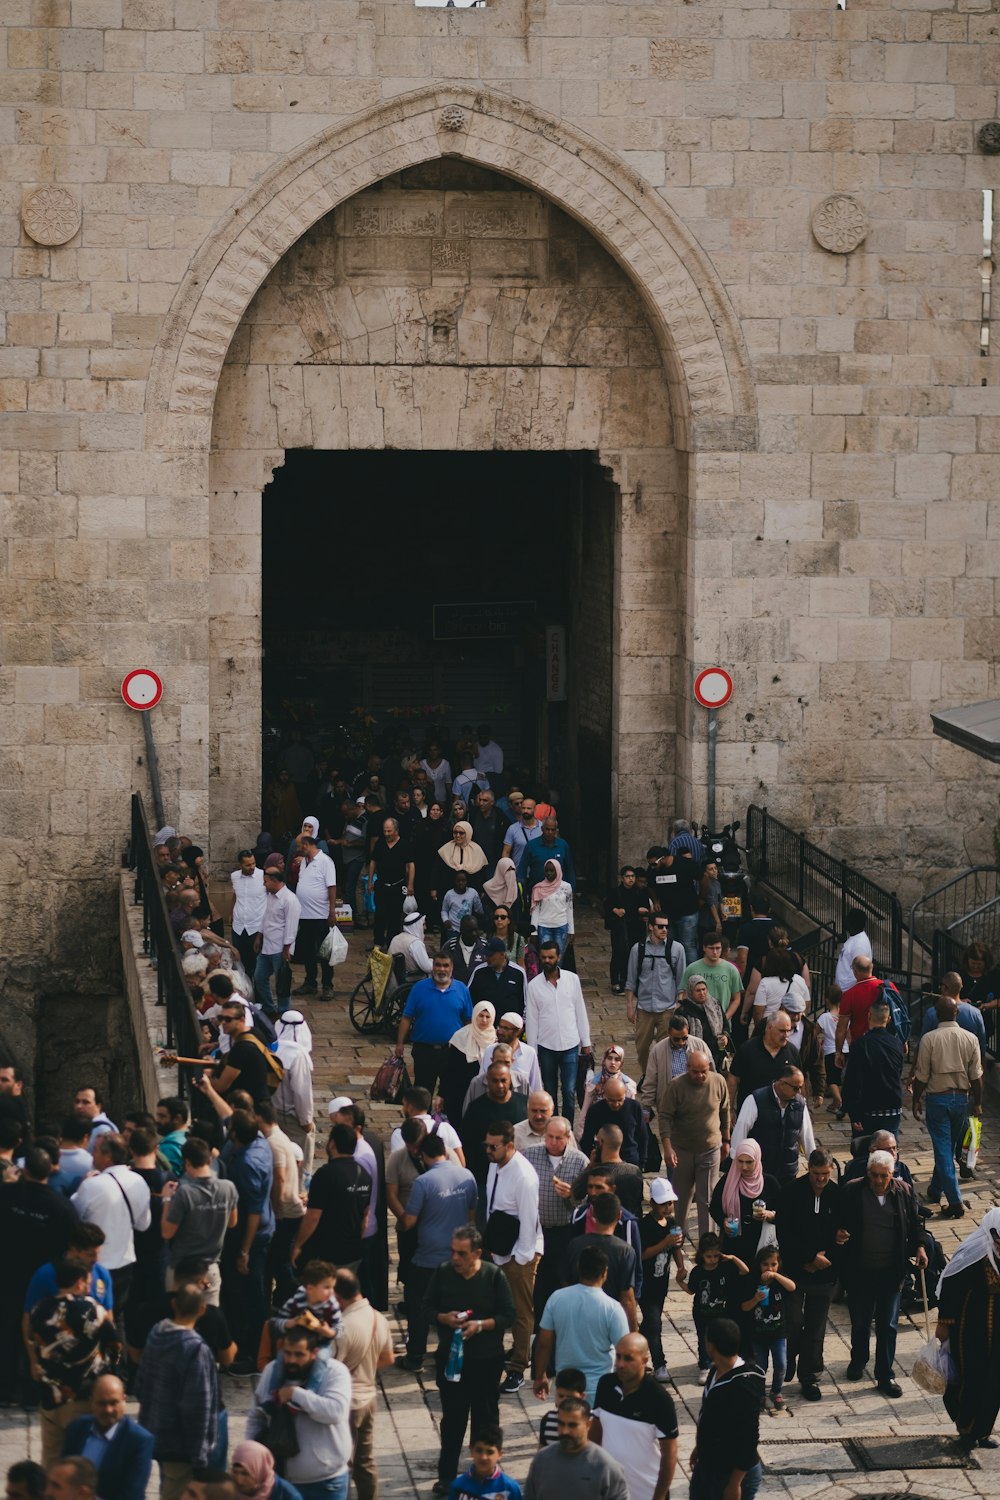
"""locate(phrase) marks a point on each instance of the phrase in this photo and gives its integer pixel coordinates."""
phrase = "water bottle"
(456, 1355)
(732, 1228)
(766, 1290)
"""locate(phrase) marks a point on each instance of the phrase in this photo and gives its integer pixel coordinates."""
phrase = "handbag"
(390, 1082)
(279, 1436)
(933, 1369)
(333, 948)
(502, 1230)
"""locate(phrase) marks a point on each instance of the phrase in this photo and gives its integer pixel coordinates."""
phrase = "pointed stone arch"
(706, 362)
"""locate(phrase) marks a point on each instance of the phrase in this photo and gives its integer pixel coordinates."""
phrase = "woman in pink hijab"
(552, 908)
(253, 1475)
(744, 1204)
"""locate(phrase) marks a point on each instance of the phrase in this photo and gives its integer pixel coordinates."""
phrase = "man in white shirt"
(857, 943)
(512, 1189)
(249, 901)
(275, 943)
(412, 945)
(293, 1098)
(489, 756)
(118, 1201)
(778, 1118)
(416, 1106)
(316, 894)
(557, 1026)
(523, 1059)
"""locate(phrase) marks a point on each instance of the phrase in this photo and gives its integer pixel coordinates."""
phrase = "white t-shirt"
(771, 992)
(316, 878)
(447, 1132)
(828, 1026)
(859, 944)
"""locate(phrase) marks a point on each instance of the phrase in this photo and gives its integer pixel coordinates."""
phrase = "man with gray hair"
(558, 1162)
(879, 1231)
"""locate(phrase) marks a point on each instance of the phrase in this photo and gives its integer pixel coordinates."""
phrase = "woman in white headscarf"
(969, 1318)
(465, 1056)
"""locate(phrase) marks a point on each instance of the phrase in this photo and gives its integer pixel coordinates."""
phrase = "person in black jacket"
(725, 1464)
(880, 1232)
(625, 911)
(808, 1217)
(617, 1109)
(873, 1083)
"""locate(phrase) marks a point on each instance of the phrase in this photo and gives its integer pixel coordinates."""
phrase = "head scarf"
(292, 1026)
(473, 1040)
(601, 1078)
(274, 862)
(259, 1464)
(502, 887)
(163, 834)
(736, 1186)
(978, 1246)
(468, 857)
(313, 826)
(547, 887)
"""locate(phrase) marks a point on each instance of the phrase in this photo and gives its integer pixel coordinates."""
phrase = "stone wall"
(830, 505)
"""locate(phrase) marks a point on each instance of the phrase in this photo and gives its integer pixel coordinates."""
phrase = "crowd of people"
(542, 1195)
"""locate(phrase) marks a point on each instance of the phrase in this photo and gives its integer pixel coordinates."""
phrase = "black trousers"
(652, 1323)
(620, 949)
(429, 1061)
(808, 1312)
(406, 1245)
(388, 911)
(310, 936)
(244, 945)
(551, 1268)
(477, 1394)
(418, 1279)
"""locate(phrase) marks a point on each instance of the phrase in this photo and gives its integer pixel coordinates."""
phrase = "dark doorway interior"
(409, 593)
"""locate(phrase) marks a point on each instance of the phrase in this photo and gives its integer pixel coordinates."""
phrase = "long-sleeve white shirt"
(281, 920)
(513, 1188)
(747, 1119)
(555, 1015)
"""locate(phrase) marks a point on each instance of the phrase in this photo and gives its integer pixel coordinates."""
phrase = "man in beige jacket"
(689, 1116)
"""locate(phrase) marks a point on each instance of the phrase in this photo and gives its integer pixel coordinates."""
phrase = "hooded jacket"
(177, 1387)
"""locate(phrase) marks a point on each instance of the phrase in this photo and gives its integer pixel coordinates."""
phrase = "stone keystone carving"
(840, 223)
(989, 138)
(453, 117)
(50, 215)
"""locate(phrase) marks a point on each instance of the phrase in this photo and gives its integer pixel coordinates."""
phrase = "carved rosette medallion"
(50, 215)
(840, 224)
(452, 117)
(988, 138)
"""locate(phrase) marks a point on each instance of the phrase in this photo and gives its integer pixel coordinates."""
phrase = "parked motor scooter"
(722, 850)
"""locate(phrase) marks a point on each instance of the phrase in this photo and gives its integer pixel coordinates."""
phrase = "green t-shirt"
(723, 980)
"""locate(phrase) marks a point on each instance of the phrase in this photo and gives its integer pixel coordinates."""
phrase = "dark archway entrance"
(403, 591)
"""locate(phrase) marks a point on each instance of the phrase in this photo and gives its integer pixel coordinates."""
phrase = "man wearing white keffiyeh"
(969, 1318)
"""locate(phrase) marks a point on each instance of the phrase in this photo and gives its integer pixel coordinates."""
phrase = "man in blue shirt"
(248, 1164)
(538, 852)
(85, 1243)
(75, 1160)
(435, 1009)
(969, 1018)
(120, 1450)
(440, 1201)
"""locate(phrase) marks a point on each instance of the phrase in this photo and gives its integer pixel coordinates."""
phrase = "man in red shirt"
(855, 1005)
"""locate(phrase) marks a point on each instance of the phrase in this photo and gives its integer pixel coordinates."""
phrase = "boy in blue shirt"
(84, 1244)
(484, 1479)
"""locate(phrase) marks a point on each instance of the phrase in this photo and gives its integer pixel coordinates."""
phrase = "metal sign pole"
(154, 769)
(712, 729)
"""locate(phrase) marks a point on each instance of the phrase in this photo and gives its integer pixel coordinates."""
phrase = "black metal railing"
(823, 887)
(183, 1032)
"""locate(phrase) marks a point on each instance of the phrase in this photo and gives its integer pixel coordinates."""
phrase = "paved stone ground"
(802, 1447)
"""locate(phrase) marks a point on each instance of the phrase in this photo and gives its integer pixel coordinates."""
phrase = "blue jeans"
(554, 935)
(708, 1483)
(325, 1489)
(685, 930)
(268, 964)
(553, 1066)
(946, 1115)
(874, 1294)
(778, 1351)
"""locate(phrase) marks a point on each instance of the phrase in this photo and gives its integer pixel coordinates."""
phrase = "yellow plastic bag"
(972, 1142)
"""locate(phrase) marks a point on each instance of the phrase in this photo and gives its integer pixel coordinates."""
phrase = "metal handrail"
(183, 1030)
(822, 886)
(928, 897)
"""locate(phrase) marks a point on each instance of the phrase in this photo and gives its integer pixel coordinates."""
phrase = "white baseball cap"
(661, 1190)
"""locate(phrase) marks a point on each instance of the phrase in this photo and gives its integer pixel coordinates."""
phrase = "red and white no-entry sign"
(713, 687)
(142, 689)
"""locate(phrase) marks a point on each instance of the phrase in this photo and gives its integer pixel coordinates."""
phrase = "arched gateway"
(534, 295)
